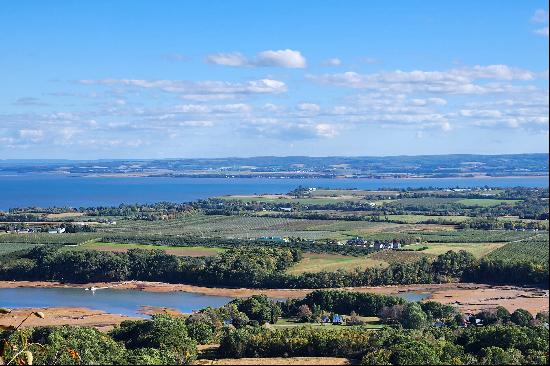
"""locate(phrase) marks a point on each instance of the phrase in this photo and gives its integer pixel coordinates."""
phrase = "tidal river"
(123, 302)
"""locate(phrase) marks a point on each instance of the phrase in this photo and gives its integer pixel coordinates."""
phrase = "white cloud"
(332, 62)
(280, 58)
(454, 81)
(309, 107)
(326, 130)
(197, 88)
(541, 31)
(227, 59)
(446, 126)
(540, 16)
(289, 130)
(31, 135)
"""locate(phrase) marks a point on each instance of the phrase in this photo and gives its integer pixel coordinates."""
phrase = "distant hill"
(296, 166)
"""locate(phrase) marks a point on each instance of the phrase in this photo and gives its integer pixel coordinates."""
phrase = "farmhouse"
(58, 230)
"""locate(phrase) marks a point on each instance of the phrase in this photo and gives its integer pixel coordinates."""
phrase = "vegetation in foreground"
(414, 333)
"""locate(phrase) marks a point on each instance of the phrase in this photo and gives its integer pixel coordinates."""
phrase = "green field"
(479, 250)
(313, 262)
(485, 202)
(414, 219)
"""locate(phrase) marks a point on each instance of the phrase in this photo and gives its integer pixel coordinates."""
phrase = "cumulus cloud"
(271, 58)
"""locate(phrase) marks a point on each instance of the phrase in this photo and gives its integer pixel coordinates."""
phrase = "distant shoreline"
(244, 176)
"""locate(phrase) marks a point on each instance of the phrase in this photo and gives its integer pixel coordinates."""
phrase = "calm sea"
(45, 191)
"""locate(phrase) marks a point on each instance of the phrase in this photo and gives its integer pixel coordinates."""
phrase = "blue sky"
(158, 79)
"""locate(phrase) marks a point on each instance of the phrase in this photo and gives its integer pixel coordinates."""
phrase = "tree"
(414, 353)
(413, 317)
(164, 332)
(499, 356)
(304, 313)
(69, 345)
(259, 308)
(200, 328)
(521, 317)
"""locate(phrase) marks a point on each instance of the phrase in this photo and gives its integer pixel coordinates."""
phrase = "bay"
(61, 191)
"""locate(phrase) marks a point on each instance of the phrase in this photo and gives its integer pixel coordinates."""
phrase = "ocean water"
(61, 191)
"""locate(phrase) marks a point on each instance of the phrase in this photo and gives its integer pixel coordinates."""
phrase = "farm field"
(313, 262)
(6, 248)
(486, 202)
(413, 219)
(193, 251)
(289, 199)
(524, 251)
(479, 250)
(45, 238)
(247, 227)
(398, 256)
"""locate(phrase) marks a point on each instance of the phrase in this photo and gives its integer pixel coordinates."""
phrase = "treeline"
(254, 267)
(495, 224)
(492, 345)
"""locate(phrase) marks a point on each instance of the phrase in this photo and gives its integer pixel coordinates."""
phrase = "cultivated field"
(313, 262)
(524, 251)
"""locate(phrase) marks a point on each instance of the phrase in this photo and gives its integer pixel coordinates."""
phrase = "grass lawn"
(314, 262)
(181, 251)
(485, 202)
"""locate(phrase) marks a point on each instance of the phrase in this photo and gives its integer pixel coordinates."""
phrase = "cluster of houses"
(378, 245)
(273, 239)
(336, 319)
(31, 230)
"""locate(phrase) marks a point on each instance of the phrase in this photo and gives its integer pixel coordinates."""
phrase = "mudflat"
(64, 316)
